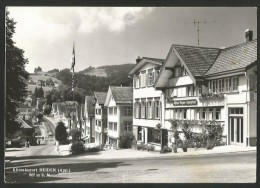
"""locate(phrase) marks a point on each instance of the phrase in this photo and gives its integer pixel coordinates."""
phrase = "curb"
(162, 156)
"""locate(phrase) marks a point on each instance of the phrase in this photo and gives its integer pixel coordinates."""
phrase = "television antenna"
(197, 23)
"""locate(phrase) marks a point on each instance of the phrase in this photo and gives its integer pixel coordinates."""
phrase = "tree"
(40, 93)
(40, 116)
(61, 134)
(16, 77)
(47, 110)
(126, 140)
(75, 134)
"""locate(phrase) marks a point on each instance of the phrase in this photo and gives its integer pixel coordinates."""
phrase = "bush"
(185, 145)
(210, 144)
(126, 140)
(166, 149)
(94, 149)
(40, 116)
(75, 134)
(61, 134)
(77, 147)
(138, 146)
(150, 148)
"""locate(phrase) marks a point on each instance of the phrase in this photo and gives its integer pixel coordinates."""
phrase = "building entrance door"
(236, 130)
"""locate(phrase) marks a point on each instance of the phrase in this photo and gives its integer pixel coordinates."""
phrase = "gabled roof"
(197, 59)
(24, 125)
(143, 61)
(122, 94)
(90, 105)
(235, 57)
(100, 96)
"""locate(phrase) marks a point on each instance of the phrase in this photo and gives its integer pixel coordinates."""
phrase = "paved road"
(239, 167)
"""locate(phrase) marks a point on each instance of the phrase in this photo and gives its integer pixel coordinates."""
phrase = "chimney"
(138, 59)
(248, 35)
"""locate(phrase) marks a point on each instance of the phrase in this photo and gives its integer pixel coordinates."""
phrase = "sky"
(118, 35)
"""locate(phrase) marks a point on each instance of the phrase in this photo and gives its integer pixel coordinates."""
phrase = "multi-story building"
(202, 83)
(100, 118)
(67, 112)
(25, 111)
(119, 104)
(89, 114)
(147, 102)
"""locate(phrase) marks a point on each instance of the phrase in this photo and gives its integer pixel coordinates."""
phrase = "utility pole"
(197, 23)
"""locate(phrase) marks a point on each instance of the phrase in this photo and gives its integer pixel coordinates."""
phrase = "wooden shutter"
(147, 78)
(134, 110)
(160, 110)
(153, 110)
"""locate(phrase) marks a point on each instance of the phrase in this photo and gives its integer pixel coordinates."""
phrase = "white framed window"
(128, 111)
(227, 83)
(234, 83)
(137, 81)
(110, 110)
(143, 79)
(110, 126)
(204, 112)
(214, 86)
(220, 85)
(137, 109)
(157, 109)
(174, 92)
(150, 110)
(128, 126)
(115, 110)
(199, 90)
(115, 126)
(184, 113)
(150, 77)
(210, 114)
(218, 113)
(143, 109)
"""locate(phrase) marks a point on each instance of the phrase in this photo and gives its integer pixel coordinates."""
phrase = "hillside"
(108, 70)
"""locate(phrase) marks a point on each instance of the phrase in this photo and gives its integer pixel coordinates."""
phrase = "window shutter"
(160, 110)
(147, 78)
(134, 106)
(146, 109)
(153, 110)
(139, 109)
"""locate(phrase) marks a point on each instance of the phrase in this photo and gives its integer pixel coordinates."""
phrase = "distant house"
(40, 83)
(67, 112)
(119, 102)
(28, 101)
(40, 103)
(89, 114)
(100, 118)
(24, 111)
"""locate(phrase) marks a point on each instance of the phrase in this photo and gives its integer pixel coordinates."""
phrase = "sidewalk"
(131, 153)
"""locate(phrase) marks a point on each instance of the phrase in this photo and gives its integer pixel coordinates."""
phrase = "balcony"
(206, 96)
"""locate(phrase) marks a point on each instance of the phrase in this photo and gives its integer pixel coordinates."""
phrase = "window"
(110, 126)
(157, 109)
(149, 106)
(235, 110)
(157, 71)
(143, 109)
(204, 113)
(137, 81)
(199, 89)
(234, 83)
(174, 92)
(209, 85)
(139, 136)
(115, 126)
(137, 109)
(252, 82)
(154, 136)
(115, 110)
(128, 126)
(110, 110)
(211, 117)
(227, 84)
(143, 79)
(128, 111)
(218, 114)
(150, 77)
(184, 113)
(190, 90)
(220, 86)
(214, 88)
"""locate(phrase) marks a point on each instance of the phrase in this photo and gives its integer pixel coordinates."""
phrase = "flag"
(72, 67)
(73, 60)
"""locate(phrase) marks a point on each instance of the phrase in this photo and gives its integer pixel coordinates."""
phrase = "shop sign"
(185, 102)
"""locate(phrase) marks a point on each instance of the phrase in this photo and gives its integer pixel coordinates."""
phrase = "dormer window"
(150, 77)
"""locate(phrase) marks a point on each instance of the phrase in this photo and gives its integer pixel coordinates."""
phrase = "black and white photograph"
(130, 94)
